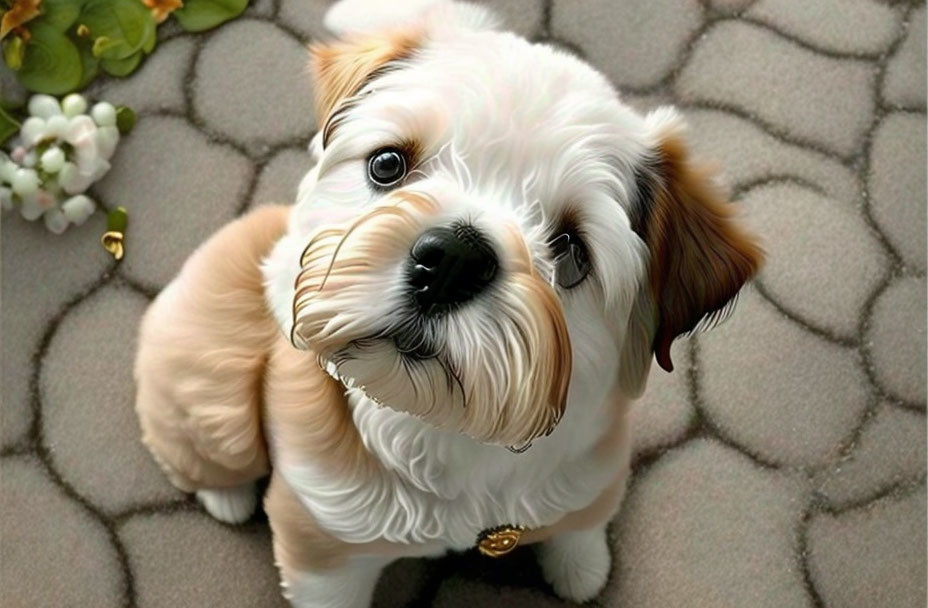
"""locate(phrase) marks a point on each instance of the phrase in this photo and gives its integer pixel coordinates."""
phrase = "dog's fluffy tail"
(348, 16)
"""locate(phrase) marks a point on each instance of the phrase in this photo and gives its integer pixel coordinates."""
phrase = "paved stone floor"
(782, 465)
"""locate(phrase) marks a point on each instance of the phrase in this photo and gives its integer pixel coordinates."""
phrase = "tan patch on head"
(342, 67)
(700, 256)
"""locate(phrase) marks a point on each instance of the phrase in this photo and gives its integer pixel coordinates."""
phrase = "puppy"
(436, 347)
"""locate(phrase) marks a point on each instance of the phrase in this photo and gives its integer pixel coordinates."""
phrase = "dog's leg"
(576, 563)
(230, 505)
(350, 585)
(199, 370)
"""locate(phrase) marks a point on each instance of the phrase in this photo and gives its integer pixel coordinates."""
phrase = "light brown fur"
(203, 349)
(340, 68)
(212, 362)
(310, 417)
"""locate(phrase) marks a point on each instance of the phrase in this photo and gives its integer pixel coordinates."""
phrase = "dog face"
(516, 235)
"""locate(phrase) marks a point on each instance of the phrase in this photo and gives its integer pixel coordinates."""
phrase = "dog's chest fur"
(440, 488)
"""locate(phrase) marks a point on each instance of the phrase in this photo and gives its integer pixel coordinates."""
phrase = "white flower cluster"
(59, 153)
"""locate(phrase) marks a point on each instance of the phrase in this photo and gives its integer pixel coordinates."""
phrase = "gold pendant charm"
(497, 542)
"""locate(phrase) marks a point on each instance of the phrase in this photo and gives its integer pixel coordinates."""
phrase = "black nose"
(449, 266)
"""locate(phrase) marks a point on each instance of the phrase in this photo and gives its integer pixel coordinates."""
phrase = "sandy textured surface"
(782, 465)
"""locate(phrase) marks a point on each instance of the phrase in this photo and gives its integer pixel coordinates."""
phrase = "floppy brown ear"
(341, 67)
(699, 255)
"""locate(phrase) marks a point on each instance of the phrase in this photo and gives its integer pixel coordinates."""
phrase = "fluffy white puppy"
(439, 349)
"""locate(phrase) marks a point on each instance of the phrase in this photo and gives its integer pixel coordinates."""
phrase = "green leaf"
(61, 14)
(199, 15)
(13, 51)
(121, 67)
(149, 45)
(103, 44)
(127, 24)
(51, 64)
(90, 63)
(9, 126)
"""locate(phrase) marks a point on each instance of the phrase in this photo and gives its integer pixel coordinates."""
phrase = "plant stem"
(4, 114)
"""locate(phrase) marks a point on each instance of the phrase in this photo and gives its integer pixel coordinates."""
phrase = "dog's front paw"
(576, 564)
(230, 505)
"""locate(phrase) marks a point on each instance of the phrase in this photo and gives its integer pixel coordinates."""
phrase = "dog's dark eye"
(571, 258)
(386, 167)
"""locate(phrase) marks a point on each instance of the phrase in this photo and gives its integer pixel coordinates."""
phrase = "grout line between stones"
(700, 425)
(812, 47)
(547, 14)
(742, 189)
(37, 435)
(894, 491)
(825, 334)
(802, 553)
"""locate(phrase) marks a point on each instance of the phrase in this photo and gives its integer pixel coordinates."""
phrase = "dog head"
(518, 240)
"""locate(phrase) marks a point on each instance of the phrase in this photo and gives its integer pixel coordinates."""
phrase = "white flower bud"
(104, 114)
(52, 160)
(32, 131)
(30, 208)
(73, 105)
(78, 208)
(107, 138)
(6, 198)
(56, 127)
(56, 221)
(25, 182)
(80, 128)
(30, 159)
(101, 167)
(7, 169)
(44, 106)
(72, 180)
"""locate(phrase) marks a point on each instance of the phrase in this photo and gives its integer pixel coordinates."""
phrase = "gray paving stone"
(799, 225)
(458, 592)
(730, 6)
(783, 393)
(891, 450)
(646, 103)
(261, 8)
(854, 26)
(802, 93)
(190, 559)
(904, 82)
(523, 17)
(158, 84)
(897, 338)
(91, 429)
(634, 44)
(401, 583)
(746, 155)
(871, 557)
(700, 522)
(252, 85)
(305, 16)
(897, 184)
(54, 553)
(174, 182)
(280, 177)
(664, 413)
(67, 264)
